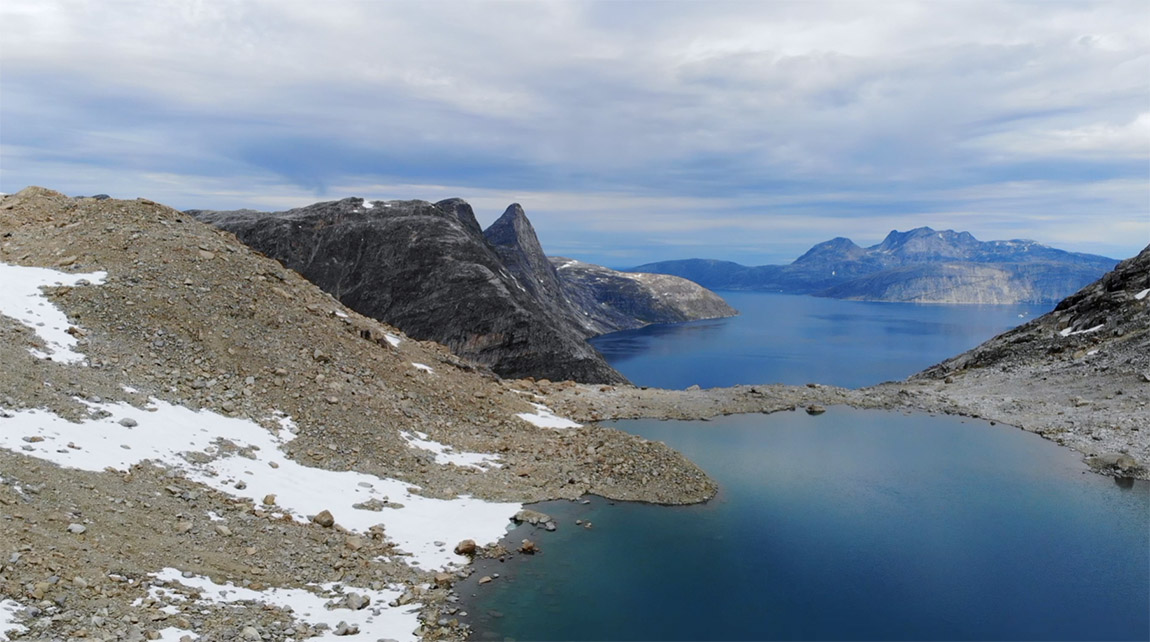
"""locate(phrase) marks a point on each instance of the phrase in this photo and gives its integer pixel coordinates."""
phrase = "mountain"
(610, 301)
(491, 296)
(922, 265)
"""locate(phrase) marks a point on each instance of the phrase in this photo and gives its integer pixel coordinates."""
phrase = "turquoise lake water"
(852, 525)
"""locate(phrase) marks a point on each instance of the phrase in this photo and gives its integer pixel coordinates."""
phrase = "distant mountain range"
(922, 265)
(491, 296)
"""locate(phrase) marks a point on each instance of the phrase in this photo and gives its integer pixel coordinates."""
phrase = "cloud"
(637, 127)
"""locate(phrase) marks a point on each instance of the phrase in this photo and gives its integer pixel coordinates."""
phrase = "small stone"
(34, 439)
(353, 543)
(183, 527)
(223, 530)
(241, 484)
(250, 633)
(528, 547)
(443, 580)
(77, 529)
(466, 547)
(269, 500)
(128, 422)
(356, 602)
(343, 628)
(79, 582)
(486, 579)
(324, 519)
(815, 409)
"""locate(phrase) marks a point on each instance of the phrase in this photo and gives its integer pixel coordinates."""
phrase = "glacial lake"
(851, 525)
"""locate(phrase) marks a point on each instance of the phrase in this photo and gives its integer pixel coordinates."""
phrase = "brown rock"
(466, 547)
(324, 519)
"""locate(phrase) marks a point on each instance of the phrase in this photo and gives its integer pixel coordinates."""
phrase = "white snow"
(22, 299)
(392, 339)
(445, 454)
(8, 611)
(422, 366)
(1066, 332)
(376, 621)
(166, 433)
(172, 634)
(544, 418)
(368, 204)
(1142, 295)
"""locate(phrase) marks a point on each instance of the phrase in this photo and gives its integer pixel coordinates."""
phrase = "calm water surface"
(785, 338)
(854, 525)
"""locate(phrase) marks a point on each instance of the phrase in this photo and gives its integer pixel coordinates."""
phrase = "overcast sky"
(629, 131)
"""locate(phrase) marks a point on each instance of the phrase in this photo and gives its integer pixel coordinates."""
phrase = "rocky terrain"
(921, 266)
(183, 335)
(197, 443)
(490, 296)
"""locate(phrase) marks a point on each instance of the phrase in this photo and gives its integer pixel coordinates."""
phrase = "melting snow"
(392, 339)
(445, 454)
(376, 621)
(422, 366)
(1142, 295)
(166, 433)
(544, 418)
(368, 204)
(8, 611)
(22, 299)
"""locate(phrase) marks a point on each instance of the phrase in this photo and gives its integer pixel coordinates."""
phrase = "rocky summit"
(490, 296)
(921, 265)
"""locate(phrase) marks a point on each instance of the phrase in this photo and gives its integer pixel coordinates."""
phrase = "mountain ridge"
(904, 267)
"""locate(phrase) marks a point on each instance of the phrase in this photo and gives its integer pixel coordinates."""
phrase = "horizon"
(630, 132)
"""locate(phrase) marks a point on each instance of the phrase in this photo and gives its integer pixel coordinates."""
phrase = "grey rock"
(77, 529)
(324, 519)
(128, 422)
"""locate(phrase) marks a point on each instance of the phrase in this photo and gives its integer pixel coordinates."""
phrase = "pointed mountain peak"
(513, 228)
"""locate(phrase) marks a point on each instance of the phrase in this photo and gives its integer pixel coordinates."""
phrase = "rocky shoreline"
(184, 316)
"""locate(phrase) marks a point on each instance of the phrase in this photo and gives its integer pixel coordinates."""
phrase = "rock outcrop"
(921, 266)
(491, 296)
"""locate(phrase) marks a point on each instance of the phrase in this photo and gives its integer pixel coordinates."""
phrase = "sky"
(630, 132)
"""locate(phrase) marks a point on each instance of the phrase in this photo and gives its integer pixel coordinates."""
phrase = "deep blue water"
(785, 338)
(853, 525)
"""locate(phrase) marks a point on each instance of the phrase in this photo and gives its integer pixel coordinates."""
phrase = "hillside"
(180, 413)
(922, 265)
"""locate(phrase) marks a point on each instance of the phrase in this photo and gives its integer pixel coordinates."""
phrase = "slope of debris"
(187, 429)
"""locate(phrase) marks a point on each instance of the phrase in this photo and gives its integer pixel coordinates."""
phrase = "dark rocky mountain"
(921, 265)
(426, 269)
(490, 296)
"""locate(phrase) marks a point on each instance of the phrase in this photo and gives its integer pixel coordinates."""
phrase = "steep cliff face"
(426, 269)
(610, 301)
(921, 265)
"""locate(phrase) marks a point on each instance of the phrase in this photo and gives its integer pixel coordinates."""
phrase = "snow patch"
(422, 366)
(445, 454)
(367, 205)
(544, 418)
(22, 299)
(8, 611)
(376, 621)
(229, 450)
(1066, 332)
(392, 339)
(1142, 295)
